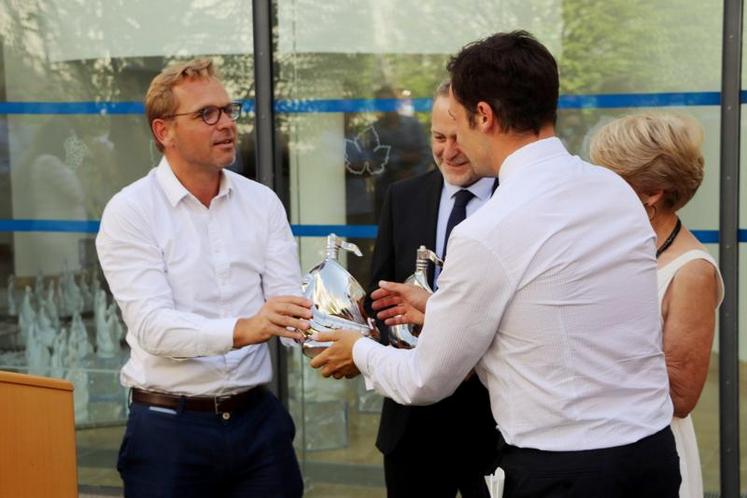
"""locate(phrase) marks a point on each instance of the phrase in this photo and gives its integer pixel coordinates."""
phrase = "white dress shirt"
(482, 189)
(183, 274)
(549, 290)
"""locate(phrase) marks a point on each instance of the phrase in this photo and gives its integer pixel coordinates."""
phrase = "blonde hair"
(160, 99)
(652, 152)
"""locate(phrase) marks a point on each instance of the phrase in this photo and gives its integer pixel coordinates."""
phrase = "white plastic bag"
(495, 483)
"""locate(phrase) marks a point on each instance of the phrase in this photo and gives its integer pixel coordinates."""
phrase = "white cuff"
(362, 350)
(223, 329)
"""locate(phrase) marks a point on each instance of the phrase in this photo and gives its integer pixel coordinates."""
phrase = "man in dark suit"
(433, 451)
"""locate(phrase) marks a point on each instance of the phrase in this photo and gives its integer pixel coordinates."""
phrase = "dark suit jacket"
(408, 219)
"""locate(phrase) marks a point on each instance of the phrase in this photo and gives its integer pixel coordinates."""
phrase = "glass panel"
(72, 133)
(339, 65)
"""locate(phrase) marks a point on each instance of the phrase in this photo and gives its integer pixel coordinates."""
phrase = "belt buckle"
(218, 400)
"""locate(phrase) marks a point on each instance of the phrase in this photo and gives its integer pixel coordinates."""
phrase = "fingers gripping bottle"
(406, 336)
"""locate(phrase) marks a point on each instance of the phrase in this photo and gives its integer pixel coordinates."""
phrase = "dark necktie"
(458, 213)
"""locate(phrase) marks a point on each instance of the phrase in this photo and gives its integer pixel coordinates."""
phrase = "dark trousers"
(648, 468)
(445, 448)
(416, 474)
(184, 453)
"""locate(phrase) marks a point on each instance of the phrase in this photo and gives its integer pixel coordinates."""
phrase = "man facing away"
(421, 458)
(204, 268)
(548, 291)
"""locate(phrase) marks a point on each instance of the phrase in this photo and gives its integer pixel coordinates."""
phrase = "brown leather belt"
(215, 404)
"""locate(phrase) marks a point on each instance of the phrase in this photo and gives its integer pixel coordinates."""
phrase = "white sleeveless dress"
(682, 428)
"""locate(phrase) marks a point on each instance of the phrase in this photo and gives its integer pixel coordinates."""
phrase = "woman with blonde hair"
(659, 156)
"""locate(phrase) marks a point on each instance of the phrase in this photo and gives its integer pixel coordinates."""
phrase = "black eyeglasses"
(211, 114)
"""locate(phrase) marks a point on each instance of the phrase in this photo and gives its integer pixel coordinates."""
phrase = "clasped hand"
(395, 303)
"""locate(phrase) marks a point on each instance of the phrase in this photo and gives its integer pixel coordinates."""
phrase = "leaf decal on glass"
(365, 153)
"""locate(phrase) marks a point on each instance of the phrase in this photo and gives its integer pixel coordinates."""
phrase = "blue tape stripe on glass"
(352, 105)
(92, 226)
(639, 100)
(80, 226)
(72, 108)
(565, 102)
(601, 101)
(355, 231)
(86, 107)
(712, 236)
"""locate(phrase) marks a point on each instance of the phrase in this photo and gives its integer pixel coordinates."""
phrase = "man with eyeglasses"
(204, 267)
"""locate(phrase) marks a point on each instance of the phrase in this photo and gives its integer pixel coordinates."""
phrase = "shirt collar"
(226, 185)
(482, 188)
(531, 153)
(174, 189)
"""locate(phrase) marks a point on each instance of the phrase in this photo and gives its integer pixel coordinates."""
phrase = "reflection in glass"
(78, 72)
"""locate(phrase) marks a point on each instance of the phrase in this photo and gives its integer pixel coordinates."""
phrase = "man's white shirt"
(549, 291)
(183, 274)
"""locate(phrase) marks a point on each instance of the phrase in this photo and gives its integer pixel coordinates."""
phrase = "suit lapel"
(432, 201)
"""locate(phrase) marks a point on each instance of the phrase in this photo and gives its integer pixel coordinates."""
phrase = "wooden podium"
(37, 437)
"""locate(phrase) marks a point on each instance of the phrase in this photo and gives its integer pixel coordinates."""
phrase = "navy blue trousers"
(183, 453)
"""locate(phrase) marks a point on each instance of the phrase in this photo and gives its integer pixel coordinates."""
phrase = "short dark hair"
(514, 73)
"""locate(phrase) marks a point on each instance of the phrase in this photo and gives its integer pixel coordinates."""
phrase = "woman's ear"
(652, 199)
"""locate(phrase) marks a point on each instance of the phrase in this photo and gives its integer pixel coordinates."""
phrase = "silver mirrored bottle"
(406, 336)
(337, 298)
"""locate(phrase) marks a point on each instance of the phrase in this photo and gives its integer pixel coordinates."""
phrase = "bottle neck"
(332, 251)
(421, 265)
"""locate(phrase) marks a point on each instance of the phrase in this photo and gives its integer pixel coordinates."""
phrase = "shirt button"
(226, 415)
